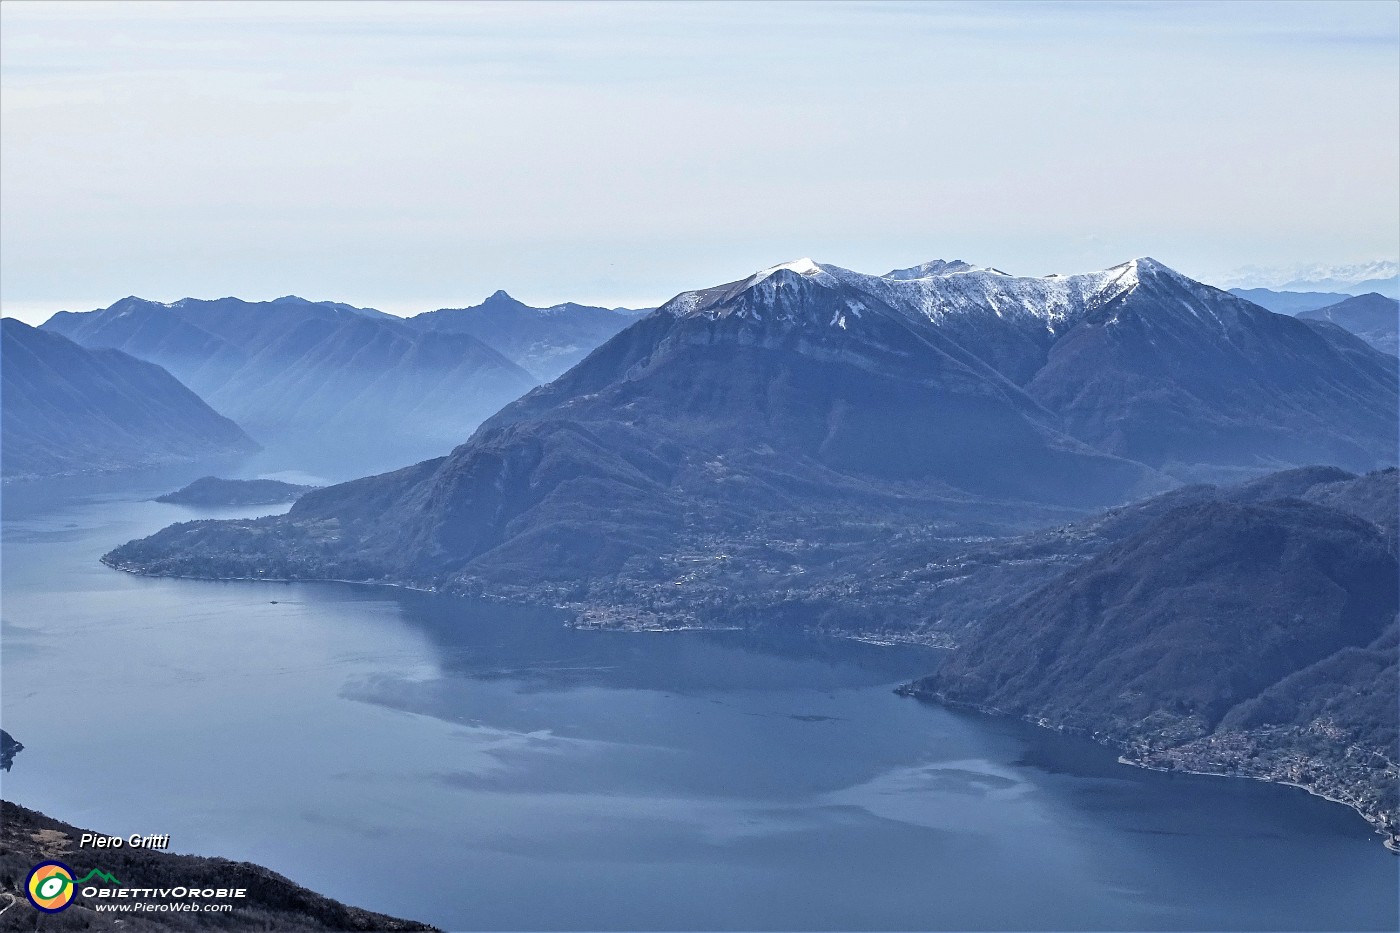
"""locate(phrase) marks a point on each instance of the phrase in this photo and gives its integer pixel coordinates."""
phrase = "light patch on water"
(954, 795)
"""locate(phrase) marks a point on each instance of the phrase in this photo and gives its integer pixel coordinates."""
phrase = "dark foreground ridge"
(273, 903)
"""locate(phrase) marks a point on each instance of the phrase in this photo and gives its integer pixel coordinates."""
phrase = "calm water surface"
(483, 767)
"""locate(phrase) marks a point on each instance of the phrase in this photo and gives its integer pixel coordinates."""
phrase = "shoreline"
(578, 613)
(1390, 840)
(185, 576)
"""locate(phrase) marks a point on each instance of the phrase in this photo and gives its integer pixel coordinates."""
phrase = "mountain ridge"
(1372, 317)
(1293, 303)
(312, 372)
(545, 341)
(1063, 339)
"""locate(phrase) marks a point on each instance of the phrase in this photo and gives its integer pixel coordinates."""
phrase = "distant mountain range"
(67, 409)
(312, 373)
(1243, 630)
(1374, 318)
(1386, 283)
(545, 341)
(1291, 303)
(826, 409)
(1381, 276)
(323, 373)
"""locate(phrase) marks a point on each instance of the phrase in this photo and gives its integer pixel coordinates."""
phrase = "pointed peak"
(1138, 270)
(132, 302)
(803, 270)
(501, 299)
(1146, 265)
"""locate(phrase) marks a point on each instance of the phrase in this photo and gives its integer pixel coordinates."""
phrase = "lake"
(485, 767)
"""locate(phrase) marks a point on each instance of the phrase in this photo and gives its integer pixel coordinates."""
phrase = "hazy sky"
(417, 156)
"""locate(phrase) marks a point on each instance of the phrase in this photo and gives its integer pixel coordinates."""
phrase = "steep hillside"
(68, 410)
(1238, 634)
(1374, 318)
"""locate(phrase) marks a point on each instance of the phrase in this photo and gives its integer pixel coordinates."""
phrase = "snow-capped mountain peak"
(1124, 277)
(801, 290)
(940, 291)
(937, 267)
(132, 303)
(803, 266)
(1314, 277)
(1145, 267)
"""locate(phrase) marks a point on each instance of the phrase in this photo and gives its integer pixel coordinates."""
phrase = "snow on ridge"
(958, 289)
(803, 266)
(936, 267)
(1050, 301)
(939, 290)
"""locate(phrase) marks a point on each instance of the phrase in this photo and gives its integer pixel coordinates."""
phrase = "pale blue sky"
(416, 156)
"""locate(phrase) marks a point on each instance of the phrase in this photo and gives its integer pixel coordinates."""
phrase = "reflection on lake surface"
(484, 767)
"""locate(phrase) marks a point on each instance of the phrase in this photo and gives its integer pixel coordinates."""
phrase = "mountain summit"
(1143, 362)
(935, 267)
(545, 341)
(1137, 360)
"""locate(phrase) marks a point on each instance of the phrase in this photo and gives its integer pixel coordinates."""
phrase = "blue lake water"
(484, 767)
